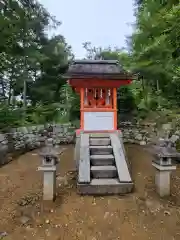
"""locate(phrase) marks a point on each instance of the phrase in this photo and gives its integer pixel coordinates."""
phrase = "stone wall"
(138, 133)
(23, 139)
(147, 133)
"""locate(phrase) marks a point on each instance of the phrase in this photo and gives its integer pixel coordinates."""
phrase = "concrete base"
(163, 179)
(49, 182)
(105, 187)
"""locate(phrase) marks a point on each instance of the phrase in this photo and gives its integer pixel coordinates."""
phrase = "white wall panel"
(94, 121)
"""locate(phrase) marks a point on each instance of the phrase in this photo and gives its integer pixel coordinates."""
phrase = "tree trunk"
(158, 93)
(10, 94)
(24, 96)
(144, 91)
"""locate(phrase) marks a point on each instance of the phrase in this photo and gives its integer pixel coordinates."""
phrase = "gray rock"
(13, 130)
(167, 126)
(24, 220)
(139, 137)
(177, 132)
(29, 129)
(34, 128)
(142, 143)
(174, 138)
(2, 137)
(3, 148)
(39, 127)
(3, 234)
(23, 130)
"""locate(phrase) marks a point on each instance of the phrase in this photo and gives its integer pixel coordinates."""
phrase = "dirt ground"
(141, 215)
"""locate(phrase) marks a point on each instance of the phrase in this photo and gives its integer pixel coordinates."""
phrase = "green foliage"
(33, 89)
(32, 65)
(41, 113)
(155, 48)
(10, 117)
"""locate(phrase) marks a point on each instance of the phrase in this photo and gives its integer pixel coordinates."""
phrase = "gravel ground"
(141, 215)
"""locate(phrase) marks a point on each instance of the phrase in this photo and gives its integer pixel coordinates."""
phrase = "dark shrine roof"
(104, 69)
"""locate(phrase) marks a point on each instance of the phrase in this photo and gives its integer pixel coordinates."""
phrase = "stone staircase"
(103, 161)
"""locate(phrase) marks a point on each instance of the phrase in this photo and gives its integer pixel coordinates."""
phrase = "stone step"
(103, 171)
(104, 187)
(101, 150)
(102, 160)
(99, 141)
(99, 135)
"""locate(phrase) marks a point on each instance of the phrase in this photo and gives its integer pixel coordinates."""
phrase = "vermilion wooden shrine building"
(99, 153)
(97, 83)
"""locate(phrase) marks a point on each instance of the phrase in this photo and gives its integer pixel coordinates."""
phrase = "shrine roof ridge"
(105, 69)
(95, 61)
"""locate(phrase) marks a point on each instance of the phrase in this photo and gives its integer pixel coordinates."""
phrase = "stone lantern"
(49, 161)
(164, 153)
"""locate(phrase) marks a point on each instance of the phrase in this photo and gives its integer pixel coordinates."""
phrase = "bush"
(10, 117)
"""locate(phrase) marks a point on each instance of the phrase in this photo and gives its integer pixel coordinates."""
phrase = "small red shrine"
(97, 81)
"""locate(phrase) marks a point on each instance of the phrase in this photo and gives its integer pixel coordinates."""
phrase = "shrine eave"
(98, 76)
(94, 82)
